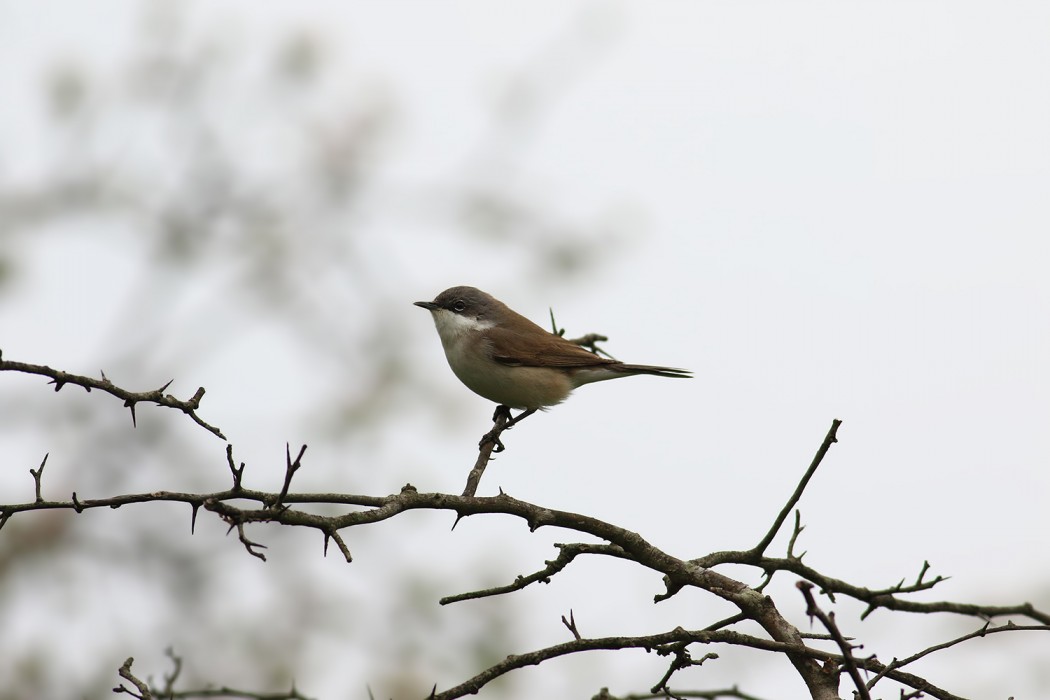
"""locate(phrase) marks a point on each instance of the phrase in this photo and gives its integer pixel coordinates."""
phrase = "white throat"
(454, 329)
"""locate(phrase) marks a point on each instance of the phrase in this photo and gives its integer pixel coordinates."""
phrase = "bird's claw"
(493, 437)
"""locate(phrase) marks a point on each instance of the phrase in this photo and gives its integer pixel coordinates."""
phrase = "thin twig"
(590, 342)
(125, 673)
(248, 544)
(731, 620)
(291, 467)
(237, 472)
(567, 554)
(176, 671)
(682, 659)
(984, 631)
(37, 474)
(795, 532)
(829, 440)
(570, 624)
(334, 536)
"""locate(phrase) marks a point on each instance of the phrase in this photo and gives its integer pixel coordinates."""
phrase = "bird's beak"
(428, 305)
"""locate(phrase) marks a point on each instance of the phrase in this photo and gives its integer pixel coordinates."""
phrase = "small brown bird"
(504, 357)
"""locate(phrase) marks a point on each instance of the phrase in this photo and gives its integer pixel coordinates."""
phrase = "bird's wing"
(531, 349)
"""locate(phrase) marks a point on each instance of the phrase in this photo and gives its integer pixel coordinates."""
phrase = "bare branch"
(249, 545)
(884, 599)
(731, 620)
(695, 572)
(876, 599)
(828, 620)
(733, 692)
(829, 440)
(157, 396)
(37, 474)
(567, 554)
(780, 636)
(176, 670)
(984, 631)
(125, 673)
(589, 341)
(169, 693)
(796, 531)
(649, 642)
(334, 536)
(291, 467)
(237, 472)
(682, 659)
(570, 624)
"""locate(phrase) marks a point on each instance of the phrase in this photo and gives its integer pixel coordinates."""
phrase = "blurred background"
(825, 210)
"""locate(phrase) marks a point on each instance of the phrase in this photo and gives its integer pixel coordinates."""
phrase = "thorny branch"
(622, 544)
(984, 631)
(157, 396)
(717, 694)
(828, 620)
(777, 634)
(168, 692)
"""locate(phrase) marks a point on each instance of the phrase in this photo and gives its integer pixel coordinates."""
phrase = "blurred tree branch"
(143, 691)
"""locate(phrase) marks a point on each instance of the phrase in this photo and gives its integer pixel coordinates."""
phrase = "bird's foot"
(507, 422)
(493, 437)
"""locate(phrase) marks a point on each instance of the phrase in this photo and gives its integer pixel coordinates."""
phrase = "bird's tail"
(673, 372)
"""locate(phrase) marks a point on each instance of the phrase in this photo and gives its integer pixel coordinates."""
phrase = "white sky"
(835, 209)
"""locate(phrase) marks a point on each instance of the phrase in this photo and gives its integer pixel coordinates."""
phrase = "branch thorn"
(131, 404)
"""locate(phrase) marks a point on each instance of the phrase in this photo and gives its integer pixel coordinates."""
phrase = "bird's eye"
(458, 306)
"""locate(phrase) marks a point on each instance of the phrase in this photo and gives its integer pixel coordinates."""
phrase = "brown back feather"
(540, 347)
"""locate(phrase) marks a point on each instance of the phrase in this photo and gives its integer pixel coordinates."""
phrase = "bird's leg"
(519, 418)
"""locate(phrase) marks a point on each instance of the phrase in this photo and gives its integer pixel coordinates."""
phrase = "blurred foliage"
(239, 199)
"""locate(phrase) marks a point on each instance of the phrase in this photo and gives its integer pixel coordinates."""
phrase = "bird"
(504, 357)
